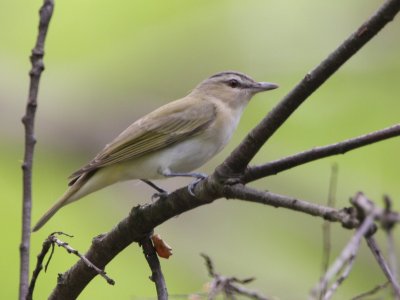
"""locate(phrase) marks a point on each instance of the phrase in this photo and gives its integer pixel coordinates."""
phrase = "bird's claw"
(193, 184)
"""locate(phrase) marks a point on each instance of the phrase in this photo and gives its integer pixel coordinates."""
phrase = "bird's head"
(232, 87)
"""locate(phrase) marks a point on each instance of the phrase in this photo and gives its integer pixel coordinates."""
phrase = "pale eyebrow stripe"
(242, 76)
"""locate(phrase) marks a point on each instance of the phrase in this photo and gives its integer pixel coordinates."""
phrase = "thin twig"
(372, 291)
(344, 274)
(345, 256)
(156, 274)
(373, 246)
(228, 286)
(239, 159)
(384, 216)
(388, 226)
(274, 167)
(49, 242)
(28, 120)
(241, 192)
(69, 249)
(346, 216)
(326, 227)
(209, 264)
(392, 255)
(39, 266)
(241, 290)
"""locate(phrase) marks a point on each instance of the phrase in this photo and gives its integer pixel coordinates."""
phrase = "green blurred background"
(110, 62)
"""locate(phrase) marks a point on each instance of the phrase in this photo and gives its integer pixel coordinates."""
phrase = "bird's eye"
(233, 83)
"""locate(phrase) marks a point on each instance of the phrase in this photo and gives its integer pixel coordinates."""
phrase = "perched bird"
(171, 141)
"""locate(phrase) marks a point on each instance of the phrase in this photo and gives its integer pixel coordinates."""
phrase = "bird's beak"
(264, 86)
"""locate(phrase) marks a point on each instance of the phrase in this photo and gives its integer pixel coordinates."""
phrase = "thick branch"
(28, 120)
(239, 159)
(143, 219)
(283, 164)
(134, 228)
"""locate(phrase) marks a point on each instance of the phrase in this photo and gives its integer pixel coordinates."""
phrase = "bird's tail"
(73, 193)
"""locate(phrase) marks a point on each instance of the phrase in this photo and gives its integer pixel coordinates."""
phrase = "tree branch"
(371, 292)
(56, 241)
(286, 163)
(238, 160)
(373, 246)
(344, 274)
(156, 274)
(347, 216)
(134, 228)
(143, 219)
(228, 286)
(388, 226)
(346, 257)
(28, 120)
(326, 226)
(39, 266)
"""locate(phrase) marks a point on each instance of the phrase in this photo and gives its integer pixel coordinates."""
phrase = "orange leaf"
(162, 248)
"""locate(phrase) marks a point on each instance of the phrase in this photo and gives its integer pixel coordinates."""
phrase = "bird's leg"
(161, 192)
(199, 177)
(154, 186)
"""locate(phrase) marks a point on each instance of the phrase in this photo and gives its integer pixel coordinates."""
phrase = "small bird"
(173, 140)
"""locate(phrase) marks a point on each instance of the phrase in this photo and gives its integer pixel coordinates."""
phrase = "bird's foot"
(199, 177)
(192, 185)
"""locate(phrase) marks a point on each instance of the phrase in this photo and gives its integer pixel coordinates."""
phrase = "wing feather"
(166, 126)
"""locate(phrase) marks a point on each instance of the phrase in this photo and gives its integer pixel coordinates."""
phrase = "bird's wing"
(167, 125)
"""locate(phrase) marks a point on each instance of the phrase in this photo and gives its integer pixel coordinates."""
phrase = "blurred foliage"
(108, 63)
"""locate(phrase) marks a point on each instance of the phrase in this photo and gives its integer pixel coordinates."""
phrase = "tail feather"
(72, 194)
(87, 183)
(60, 203)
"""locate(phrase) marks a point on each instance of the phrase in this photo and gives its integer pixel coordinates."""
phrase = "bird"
(173, 140)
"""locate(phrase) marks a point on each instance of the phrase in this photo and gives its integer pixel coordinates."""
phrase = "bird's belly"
(189, 155)
(181, 157)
